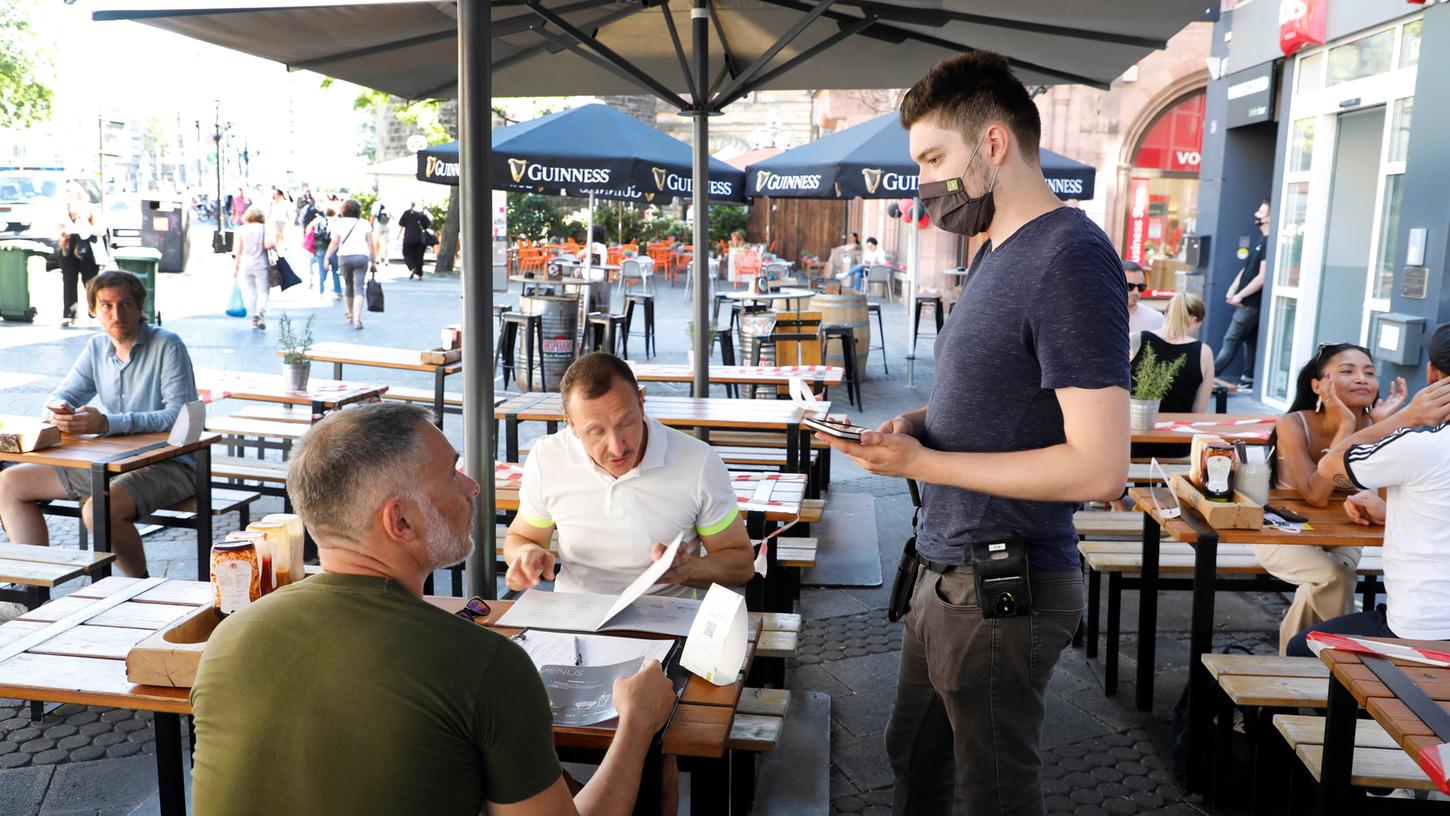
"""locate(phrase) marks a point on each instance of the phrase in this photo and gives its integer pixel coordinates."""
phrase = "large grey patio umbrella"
(432, 48)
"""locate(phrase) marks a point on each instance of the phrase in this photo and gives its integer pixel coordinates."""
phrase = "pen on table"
(578, 653)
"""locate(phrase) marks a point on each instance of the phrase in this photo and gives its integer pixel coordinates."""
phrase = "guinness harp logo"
(873, 179)
(762, 177)
(660, 174)
(517, 168)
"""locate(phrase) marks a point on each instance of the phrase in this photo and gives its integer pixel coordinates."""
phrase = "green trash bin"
(15, 278)
(142, 262)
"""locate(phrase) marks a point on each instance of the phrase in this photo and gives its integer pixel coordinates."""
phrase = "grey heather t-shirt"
(1046, 310)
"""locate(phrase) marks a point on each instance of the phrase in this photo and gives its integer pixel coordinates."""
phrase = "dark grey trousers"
(971, 697)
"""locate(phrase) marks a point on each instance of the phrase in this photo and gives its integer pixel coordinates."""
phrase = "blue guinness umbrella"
(591, 149)
(872, 160)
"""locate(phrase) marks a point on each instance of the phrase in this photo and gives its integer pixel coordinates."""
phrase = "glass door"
(1337, 217)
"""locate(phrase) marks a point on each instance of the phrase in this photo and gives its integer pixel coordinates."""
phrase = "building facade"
(1315, 109)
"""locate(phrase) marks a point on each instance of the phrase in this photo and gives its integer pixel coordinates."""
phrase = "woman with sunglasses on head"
(1337, 392)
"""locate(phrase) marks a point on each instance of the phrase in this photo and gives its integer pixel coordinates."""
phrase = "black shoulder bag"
(905, 579)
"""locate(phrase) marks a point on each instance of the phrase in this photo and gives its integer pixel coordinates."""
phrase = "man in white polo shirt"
(619, 486)
(1408, 454)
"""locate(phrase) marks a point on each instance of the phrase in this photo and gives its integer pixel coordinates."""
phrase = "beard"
(445, 546)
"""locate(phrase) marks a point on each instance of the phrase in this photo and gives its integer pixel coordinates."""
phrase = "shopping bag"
(374, 292)
(289, 278)
(235, 306)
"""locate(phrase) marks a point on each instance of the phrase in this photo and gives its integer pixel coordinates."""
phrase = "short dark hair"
(351, 209)
(1131, 266)
(592, 375)
(969, 90)
(116, 277)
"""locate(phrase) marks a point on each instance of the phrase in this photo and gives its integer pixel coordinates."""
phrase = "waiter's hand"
(85, 420)
(881, 453)
(533, 566)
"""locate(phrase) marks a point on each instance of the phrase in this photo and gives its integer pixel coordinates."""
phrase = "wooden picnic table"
(401, 359)
(819, 375)
(321, 395)
(86, 665)
(1327, 527)
(680, 412)
(1180, 428)
(1354, 684)
(109, 456)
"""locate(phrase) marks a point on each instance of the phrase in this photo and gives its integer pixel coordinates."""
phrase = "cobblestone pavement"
(1101, 755)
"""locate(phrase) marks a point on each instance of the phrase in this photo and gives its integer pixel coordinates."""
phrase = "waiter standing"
(1028, 415)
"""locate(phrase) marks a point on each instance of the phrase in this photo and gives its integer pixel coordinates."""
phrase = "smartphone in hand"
(839, 430)
(61, 408)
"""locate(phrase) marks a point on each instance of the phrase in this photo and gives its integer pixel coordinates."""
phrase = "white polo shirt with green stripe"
(607, 526)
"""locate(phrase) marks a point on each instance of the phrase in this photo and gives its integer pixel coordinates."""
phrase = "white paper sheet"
(190, 422)
(646, 579)
(557, 649)
(586, 612)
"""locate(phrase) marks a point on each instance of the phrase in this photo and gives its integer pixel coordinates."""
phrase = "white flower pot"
(297, 375)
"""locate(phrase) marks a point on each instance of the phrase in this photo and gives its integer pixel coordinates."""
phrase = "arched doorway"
(1161, 205)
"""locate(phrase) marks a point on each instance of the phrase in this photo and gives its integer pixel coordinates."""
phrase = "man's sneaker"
(1246, 383)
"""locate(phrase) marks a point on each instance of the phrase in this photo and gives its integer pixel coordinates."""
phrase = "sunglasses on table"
(475, 610)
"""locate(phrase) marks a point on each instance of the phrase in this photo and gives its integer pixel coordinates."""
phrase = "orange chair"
(659, 252)
(747, 264)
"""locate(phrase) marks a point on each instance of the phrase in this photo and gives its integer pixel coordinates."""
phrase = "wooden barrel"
(845, 310)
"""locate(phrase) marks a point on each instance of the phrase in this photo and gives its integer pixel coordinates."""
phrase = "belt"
(939, 568)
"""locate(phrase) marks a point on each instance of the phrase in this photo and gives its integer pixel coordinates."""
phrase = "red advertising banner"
(1137, 237)
(1301, 23)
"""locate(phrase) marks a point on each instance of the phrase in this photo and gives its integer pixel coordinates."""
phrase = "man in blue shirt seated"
(141, 377)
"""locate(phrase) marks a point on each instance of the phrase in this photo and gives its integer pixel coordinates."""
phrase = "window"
(1410, 45)
(1400, 129)
(1361, 58)
(1389, 233)
(1301, 145)
(1310, 75)
(1281, 348)
(1291, 235)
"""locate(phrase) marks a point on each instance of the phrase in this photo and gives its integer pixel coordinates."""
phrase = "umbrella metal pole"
(474, 124)
(700, 29)
(913, 270)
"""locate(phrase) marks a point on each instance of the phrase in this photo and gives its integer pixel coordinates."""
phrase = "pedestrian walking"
(320, 228)
(414, 223)
(380, 221)
(279, 215)
(1245, 294)
(351, 243)
(77, 253)
(1044, 321)
(252, 266)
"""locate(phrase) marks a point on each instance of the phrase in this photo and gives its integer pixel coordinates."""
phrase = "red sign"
(1301, 23)
(1175, 140)
(1137, 238)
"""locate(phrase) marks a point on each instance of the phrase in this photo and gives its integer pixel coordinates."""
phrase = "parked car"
(33, 205)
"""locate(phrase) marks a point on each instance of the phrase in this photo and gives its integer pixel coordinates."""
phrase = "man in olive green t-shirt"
(348, 693)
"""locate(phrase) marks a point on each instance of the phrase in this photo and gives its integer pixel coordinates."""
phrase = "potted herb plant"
(295, 344)
(1151, 381)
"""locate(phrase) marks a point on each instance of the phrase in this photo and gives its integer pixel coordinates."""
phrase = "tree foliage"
(534, 217)
(725, 219)
(25, 96)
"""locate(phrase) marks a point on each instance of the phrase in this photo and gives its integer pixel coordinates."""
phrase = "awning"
(593, 148)
(872, 160)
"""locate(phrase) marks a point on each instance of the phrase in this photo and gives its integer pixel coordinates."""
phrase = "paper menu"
(588, 612)
(646, 579)
(584, 695)
(190, 422)
(556, 649)
(715, 649)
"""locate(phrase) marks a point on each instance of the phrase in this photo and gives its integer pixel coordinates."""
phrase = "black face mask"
(953, 210)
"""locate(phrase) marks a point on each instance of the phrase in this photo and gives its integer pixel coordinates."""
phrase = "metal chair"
(630, 269)
(882, 275)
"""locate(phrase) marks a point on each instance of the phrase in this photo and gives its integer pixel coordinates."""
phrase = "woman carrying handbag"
(77, 255)
(253, 269)
(351, 243)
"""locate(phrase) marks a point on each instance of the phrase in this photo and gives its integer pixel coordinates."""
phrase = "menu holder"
(1240, 514)
(715, 648)
(440, 356)
(170, 656)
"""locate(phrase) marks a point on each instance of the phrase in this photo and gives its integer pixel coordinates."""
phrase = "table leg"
(1339, 731)
(711, 783)
(337, 371)
(100, 508)
(438, 397)
(318, 409)
(511, 438)
(169, 768)
(1148, 612)
(792, 448)
(1200, 683)
(203, 513)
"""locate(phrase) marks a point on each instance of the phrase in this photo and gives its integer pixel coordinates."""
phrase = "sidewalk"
(1102, 756)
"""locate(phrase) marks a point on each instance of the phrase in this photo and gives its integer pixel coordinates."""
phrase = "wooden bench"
(1138, 472)
(1114, 552)
(240, 433)
(1378, 761)
(759, 720)
(182, 514)
(265, 476)
(452, 400)
(267, 412)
